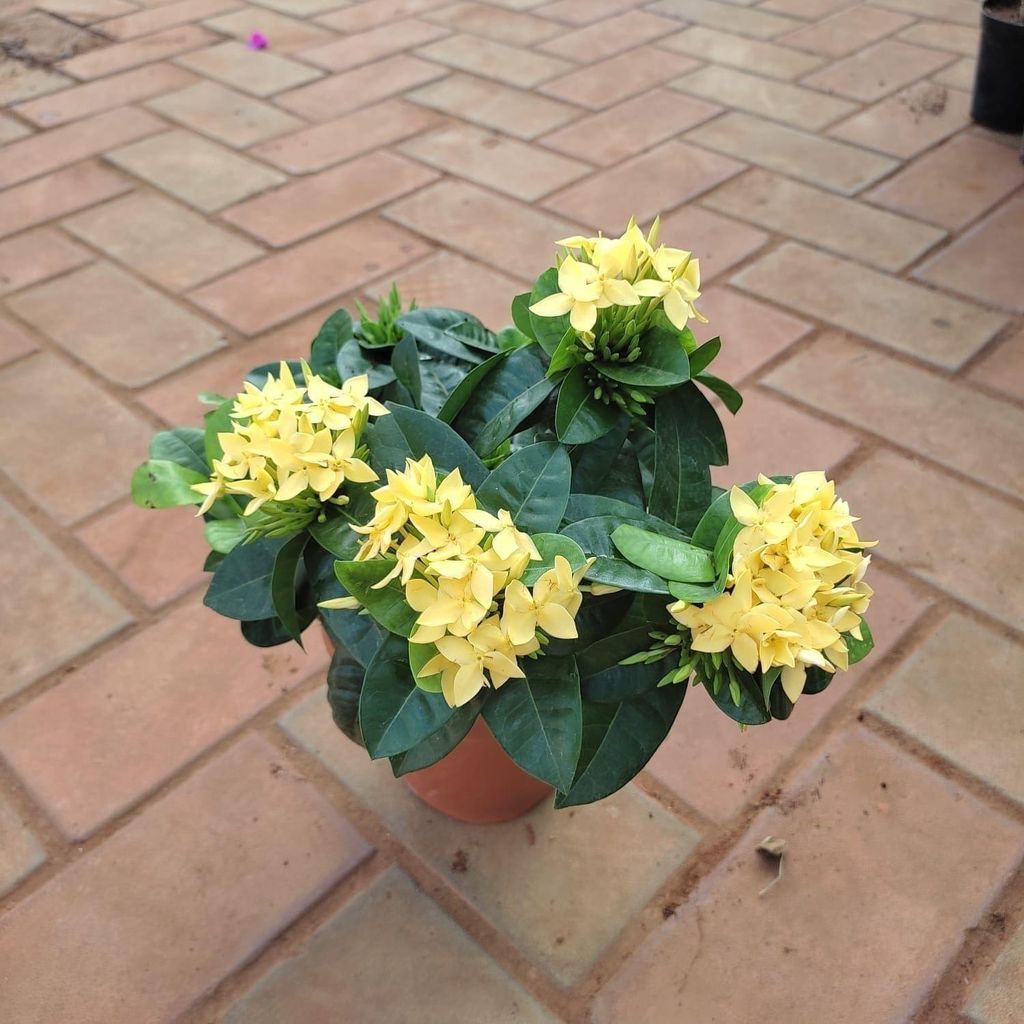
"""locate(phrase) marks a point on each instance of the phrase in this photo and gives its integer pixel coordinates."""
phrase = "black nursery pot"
(998, 100)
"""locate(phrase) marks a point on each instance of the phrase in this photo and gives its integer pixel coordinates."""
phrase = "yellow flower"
(261, 489)
(677, 286)
(454, 605)
(263, 405)
(583, 290)
(213, 489)
(465, 663)
(507, 541)
(552, 605)
(325, 465)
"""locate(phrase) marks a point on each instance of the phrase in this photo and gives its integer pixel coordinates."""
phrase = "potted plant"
(998, 100)
(512, 540)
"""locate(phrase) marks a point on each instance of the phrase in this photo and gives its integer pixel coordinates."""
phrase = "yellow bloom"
(466, 662)
(261, 489)
(325, 465)
(211, 490)
(551, 606)
(678, 288)
(263, 405)
(583, 290)
(454, 605)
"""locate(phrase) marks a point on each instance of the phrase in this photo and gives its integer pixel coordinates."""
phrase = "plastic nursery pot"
(998, 100)
(477, 782)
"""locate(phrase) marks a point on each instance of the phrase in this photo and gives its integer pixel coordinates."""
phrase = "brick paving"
(184, 835)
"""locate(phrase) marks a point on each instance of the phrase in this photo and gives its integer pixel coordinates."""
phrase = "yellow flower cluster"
(597, 273)
(290, 441)
(796, 584)
(461, 568)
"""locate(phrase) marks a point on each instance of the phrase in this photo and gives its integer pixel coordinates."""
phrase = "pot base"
(478, 782)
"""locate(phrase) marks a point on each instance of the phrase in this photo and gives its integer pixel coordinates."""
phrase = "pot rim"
(989, 5)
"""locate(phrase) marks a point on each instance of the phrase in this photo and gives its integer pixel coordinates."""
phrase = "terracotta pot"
(478, 781)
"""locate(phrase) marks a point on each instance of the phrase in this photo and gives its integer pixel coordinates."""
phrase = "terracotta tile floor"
(184, 836)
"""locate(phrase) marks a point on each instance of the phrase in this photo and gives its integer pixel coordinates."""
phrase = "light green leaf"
(224, 535)
(183, 445)
(162, 484)
(551, 545)
(419, 655)
(667, 557)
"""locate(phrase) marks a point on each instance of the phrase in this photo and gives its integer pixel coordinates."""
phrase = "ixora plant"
(520, 528)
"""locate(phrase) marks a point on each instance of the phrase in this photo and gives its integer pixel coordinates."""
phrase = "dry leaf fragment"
(772, 848)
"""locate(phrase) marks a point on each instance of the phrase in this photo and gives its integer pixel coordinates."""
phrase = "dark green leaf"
(387, 605)
(859, 649)
(592, 463)
(701, 358)
(751, 709)
(594, 536)
(394, 713)
(452, 332)
(626, 636)
(161, 484)
(241, 585)
(521, 314)
(335, 534)
(324, 352)
(510, 378)
(681, 488)
(548, 330)
(465, 388)
(731, 398)
(719, 512)
(353, 361)
(283, 583)
(265, 633)
(419, 655)
(405, 361)
(551, 545)
(217, 421)
(667, 557)
(579, 416)
(662, 362)
(344, 687)
(618, 740)
(183, 445)
(532, 484)
(585, 506)
(566, 355)
(353, 630)
(624, 682)
(440, 742)
(504, 424)
(538, 719)
(409, 433)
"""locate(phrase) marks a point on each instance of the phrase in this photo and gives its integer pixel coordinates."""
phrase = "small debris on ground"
(926, 99)
(772, 848)
(460, 862)
(258, 41)
(669, 910)
(531, 836)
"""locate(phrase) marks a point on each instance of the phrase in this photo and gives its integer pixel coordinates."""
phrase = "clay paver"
(184, 834)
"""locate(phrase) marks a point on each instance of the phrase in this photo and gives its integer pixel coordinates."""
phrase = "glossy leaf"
(283, 582)
(548, 330)
(511, 377)
(183, 445)
(751, 709)
(859, 649)
(464, 389)
(667, 557)
(409, 433)
(270, 632)
(353, 361)
(405, 361)
(162, 484)
(584, 506)
(730, 397)
(594, 535)
(538, 720)
(344, 687)
(592, 463)
(532, 484)
(629, 635)
(702, 357)
(565, 356)
(624, 682)
(720, 512)
(618, 740)
(241, 585)
(394, 713)
(511, 416)
(521, 314)
(324, 352)
(454, 333)
(216, 421)
(419, 655)
(440, 742)
(335, 534)
(697, 593)
(662, 363)
(681, 486)
(579, 417)
(224, 535)
(386, 605)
